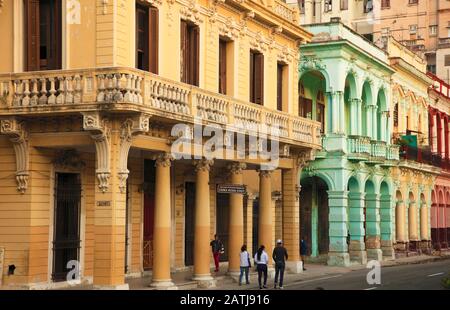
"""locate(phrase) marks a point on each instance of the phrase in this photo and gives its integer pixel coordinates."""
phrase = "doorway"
(189, 223)
(222, 222)
(149, 210)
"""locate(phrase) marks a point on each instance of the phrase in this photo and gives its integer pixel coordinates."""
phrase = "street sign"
(231, 189)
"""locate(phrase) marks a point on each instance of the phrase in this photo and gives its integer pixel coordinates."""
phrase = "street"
(425, 276)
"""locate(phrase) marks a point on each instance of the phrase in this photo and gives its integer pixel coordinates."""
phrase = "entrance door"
(66, 238)
(149, 209)
(305, 216)
(189, 222)
(323, 214)
(223, 220)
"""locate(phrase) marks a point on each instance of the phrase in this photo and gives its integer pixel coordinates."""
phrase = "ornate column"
(412, 224)
(248, 222)
(386, 226)
(162, 223)
(383, 130)
(202, 250)
(334, 106)
(338, 250)
(373, 233)
(400, 218)
(424, 235)
(368, 120)
(340, 96)
(353, 117)
(265, 211)
(374, 122)
(359, 116)
(18, 135)
(236, 223)
(357, 247)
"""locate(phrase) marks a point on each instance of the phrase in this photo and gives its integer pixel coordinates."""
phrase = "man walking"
(279, 256)
(304, 249)
(217, 249)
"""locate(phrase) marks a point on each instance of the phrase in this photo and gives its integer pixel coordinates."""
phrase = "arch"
(353, 185)
(384, 188)
(321, 175)
(322, 72)
(366, 101)
(350, 108)
(382, 124)
(369, 187)
(398, 196)
(312, 102)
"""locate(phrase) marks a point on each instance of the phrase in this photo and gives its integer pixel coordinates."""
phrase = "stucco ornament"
(191, 12)
(129, 128)
(310, 63)
(18, 135)
(98, 126)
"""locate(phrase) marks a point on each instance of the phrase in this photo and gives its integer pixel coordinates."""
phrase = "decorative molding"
(311, 63)
(18, 135)
(129, 128)
(258, 43)
(191, 12)
(229, 29)
(203, 164)
(100, 133)
(305, 157)
(236, 168)
(163, 159)
(105, 7)
(265, 173)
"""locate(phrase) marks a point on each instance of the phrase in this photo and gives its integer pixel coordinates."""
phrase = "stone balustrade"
(378, 149)
(285, 11)
(126, 88)
(359, 144)
(393, 152)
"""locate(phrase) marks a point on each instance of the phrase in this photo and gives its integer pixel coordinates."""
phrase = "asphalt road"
(426, 276)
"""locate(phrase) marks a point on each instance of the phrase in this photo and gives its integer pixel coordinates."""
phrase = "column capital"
(303, 158)
(203, 164)
(163, 160)
(265, 173)
(236, 168)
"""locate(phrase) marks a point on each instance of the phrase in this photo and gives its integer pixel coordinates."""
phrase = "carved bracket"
(19, 138)
(129, 128)
(99, 128)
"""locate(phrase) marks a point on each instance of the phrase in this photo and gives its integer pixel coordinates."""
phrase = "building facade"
(92, 98)
(347, 192)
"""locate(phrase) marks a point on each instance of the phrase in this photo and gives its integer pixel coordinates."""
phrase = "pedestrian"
(261, 261)
(304, 249)
(217, 249)
(279, 256)
(245, 264)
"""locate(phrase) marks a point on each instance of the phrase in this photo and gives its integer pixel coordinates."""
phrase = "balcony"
(287, 12)
(358, 147)
(363, 149)
(444, 42)
(130, 90)
(422, 156)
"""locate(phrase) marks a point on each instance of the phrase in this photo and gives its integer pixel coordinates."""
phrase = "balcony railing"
(378, 149)
(393, 152)
(362, 148)
(444, 42)
(423, 156)
(358, 145)
(285, 11)
(130, 89)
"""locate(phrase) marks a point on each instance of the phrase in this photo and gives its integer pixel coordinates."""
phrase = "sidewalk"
(314, 271)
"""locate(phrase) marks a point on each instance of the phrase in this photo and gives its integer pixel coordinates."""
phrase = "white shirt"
(244, 258)
(264, 258)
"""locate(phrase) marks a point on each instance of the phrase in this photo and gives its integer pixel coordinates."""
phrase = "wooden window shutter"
(280, 87)
(259, 79)
(154, 39)
(142, 37)
(252, 77)
(184, 52)
(222, 67)
(32, 35)
(195, 55)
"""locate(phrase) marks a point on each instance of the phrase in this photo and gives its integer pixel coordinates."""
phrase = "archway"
(314, 211)
(434, 215)
(366, 110)
(382, 124)
(373, 241)
(356, 223)
(400, 219)
(312, 102)
(350, 104)
(386, 224)
(413, 234)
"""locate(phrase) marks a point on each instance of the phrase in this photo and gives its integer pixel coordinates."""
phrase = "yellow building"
(90, 95)
(416, 173)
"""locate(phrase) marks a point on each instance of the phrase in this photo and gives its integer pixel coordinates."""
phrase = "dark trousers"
(279, 270)
(216, 260)
(244, 270)
(262, 269)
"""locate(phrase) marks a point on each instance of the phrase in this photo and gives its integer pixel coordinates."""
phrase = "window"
(368, 6)
(328, 5)
(433, 30)
(385, 4)
(43, 34)
(447, 60)
(190, 53)
(320, 110)
(385, 31)
(431, 68)
(222, 67)
(304, 104)
(147, 38)
(256, 77)
(396, 115)
(302, 6)
(412, 29)
(344, 5)
(413, 1)
(368, 36)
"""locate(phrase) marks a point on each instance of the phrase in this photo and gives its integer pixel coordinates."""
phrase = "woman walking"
(261, 260)
(245, 264)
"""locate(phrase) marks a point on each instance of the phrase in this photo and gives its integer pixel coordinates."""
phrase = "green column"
(386, 226)
(374, 123)
(353, 117)
(368, 124)
(357, 248)
(373, 242)
(358, 103)
(338, 250)
(314, 222)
